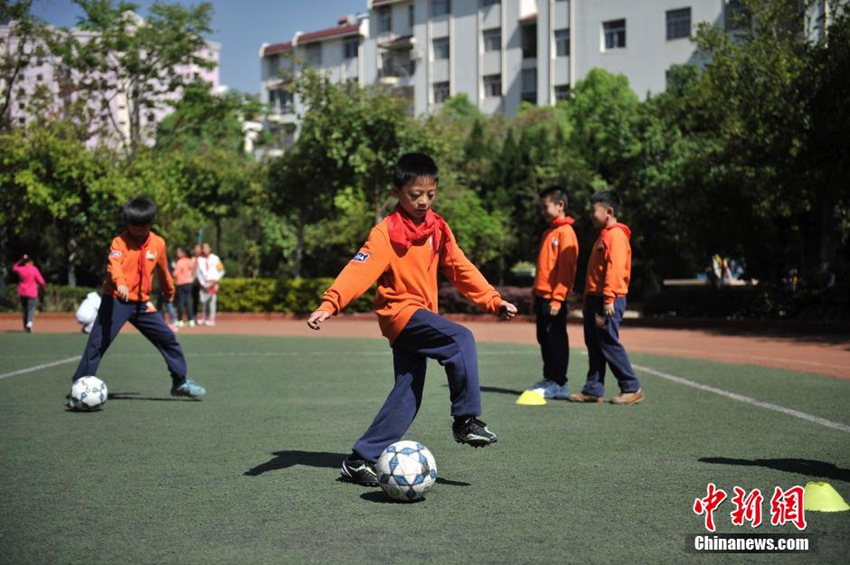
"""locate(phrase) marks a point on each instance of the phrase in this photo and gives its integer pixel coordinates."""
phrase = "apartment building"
(48, 75)
(500, 53)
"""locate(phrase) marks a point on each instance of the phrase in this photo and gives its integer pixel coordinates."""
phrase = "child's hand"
(317, 318)
(506, 310)
(608, 310)
(554, 308)
(123, 291)
(600, 321)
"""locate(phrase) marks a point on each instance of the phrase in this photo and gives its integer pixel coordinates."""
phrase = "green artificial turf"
(250, 474)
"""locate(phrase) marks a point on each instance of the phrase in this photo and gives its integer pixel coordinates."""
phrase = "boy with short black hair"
(608, 274)
(403, 253)
(554, 278)
(134, 255)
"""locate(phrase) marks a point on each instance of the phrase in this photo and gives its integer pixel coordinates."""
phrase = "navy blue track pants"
(603, 347)
(111, 317)
(426, 335)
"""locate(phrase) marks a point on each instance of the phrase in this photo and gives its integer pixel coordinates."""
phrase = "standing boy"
(608, 273)
(133, 257)
(553, 280)
(29, 279)
(210, 271)
(403, 253)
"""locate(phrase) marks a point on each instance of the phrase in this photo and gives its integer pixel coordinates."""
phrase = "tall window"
(314, 54)
(385, 19)
(411, 15)
(562, 42)
(349, 48)
(678, 23)
(492, 85)
(441, 92)
(492, 39)
(441, 48)
(529, 85)
(488, 3)
(441, 7)
(614, 32)
(528, 39)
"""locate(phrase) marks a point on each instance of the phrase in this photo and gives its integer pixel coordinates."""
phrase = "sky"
(240, 26)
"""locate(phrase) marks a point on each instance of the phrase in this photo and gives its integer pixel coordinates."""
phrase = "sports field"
(250, 474)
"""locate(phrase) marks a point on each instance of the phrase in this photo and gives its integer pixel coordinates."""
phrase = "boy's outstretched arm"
(506, 310)
(316, 318)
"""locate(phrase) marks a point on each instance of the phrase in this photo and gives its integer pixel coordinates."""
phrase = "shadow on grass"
(135, 396)
(809, 467)
(500, 390)
(380, 497)
(287, 459)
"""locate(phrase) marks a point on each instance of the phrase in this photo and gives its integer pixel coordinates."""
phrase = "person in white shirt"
(210, 270)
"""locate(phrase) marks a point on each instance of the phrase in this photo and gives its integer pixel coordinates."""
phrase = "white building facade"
(501, 53)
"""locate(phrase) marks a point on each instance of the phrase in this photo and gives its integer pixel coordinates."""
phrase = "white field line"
(39, 367)
(746, 399)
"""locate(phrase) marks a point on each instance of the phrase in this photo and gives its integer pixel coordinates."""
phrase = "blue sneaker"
(189, 389)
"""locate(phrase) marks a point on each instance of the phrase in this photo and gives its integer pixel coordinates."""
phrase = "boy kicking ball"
(403, 253)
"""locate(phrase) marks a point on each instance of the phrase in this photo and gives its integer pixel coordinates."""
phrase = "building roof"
(277, 48)
(338, 31)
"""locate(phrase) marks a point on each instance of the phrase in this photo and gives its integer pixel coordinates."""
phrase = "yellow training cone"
(531, 398)
(821, 497)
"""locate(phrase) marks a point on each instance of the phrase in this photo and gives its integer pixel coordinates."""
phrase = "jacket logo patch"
(555, 242)
(115, 253)
(360, 257)
(150, 256)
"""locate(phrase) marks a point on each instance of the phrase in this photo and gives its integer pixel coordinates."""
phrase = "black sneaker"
(472, 431)
(359, 471)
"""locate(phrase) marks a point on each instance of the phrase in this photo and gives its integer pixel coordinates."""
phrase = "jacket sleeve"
(40, 279)
(565, 267)
(616, 257)
(361, 272)
(166, 283)
(468, 280)
(114, 267)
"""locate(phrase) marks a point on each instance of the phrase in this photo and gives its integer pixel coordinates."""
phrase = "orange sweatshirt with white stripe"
(556, 264)
(609, 268)
(407, 280)
(124, 267)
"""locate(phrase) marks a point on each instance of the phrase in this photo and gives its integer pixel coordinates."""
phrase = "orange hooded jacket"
(610, 265)
(556, 262)
(407, 279)
(126, 268)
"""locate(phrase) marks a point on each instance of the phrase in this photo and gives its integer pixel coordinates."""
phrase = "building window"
(562, 42)
(349, 48)
(562, 91)
(441, 7)
(488, 3)
(678, 23)
(528, 39)
(529, 85)
(411, 15)
(492, 39)
(385, 19)
(441, 92)
(313, 55)
(735, 15)
(614, 34)
(492, 85)
(441, 48)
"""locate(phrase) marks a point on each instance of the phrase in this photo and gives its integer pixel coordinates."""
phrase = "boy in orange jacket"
(133, 257)
(608, 273)
(553, 280)
(403, 253)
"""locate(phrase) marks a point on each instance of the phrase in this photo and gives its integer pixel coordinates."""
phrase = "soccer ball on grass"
(88, 393)
(406, 470)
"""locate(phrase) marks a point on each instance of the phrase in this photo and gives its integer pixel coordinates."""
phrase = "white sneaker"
(550, 389)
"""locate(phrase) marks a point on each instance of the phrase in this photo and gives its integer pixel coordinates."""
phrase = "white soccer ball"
(406, 470)
(88, 393)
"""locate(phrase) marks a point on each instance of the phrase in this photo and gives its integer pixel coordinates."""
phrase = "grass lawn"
(250, 474)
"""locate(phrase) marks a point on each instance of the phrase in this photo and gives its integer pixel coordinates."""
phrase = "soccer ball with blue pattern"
(406, 470)
(88, 393)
